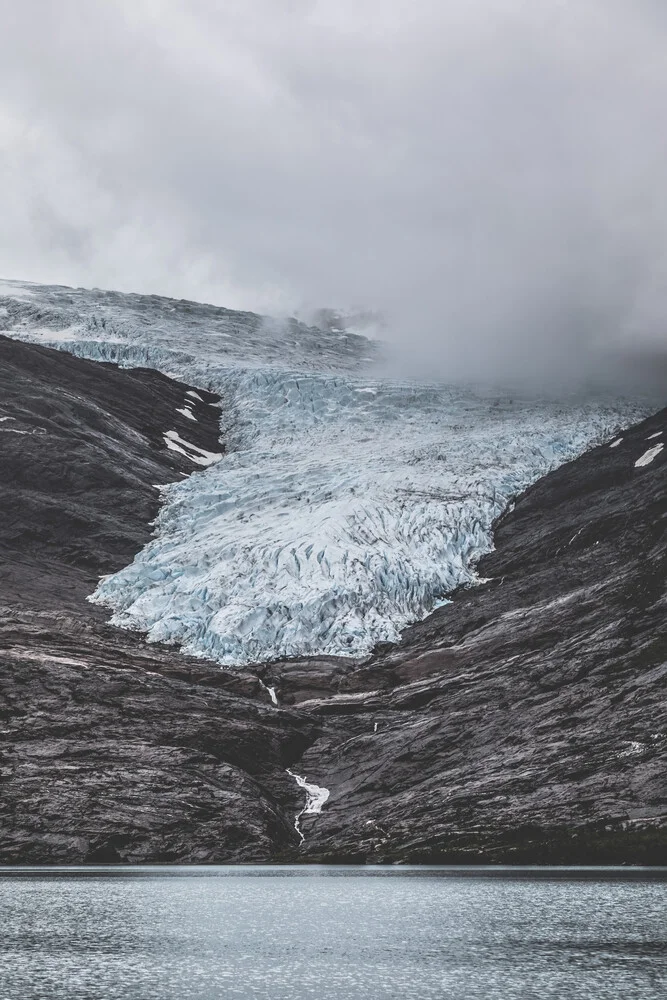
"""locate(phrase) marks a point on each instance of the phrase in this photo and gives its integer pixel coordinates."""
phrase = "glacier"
(343, 506)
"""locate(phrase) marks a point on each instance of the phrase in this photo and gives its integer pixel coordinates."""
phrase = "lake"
(178, 933)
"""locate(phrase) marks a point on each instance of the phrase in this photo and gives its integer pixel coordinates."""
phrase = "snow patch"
(649, 455)
(576, 535)
(194, 395)
(652, 436)
(615, 444)
(187, 413)
(174, 442)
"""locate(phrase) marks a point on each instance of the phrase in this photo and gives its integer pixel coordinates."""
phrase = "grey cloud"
(489, 174)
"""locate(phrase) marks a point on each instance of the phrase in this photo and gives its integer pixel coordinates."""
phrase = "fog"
(490, 175)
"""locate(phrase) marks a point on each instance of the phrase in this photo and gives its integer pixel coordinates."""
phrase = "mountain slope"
(525, 721)
(83, 450)
(110, 747)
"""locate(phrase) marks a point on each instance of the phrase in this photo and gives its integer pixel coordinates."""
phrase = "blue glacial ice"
(345, 506)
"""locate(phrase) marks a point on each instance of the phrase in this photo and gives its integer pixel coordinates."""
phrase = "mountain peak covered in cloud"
(490, 175)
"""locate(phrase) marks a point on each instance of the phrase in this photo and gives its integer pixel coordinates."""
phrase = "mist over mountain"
(487, 175)
(348, 503)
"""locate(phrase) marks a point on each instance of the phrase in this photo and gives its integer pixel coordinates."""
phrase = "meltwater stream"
(334, 933)
(345, 506)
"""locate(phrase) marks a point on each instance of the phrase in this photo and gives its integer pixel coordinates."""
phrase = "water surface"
(293, 933)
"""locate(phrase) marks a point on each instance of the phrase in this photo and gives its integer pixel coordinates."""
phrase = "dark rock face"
(110, 748)
(81, 450)
(526, 721)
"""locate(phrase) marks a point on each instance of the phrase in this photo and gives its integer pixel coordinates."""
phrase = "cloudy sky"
(486, 172)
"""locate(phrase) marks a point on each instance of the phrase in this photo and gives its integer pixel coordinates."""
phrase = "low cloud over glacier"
(341, 510)
(487, 174)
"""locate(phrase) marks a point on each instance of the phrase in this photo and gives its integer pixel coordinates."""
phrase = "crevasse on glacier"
(344, 508)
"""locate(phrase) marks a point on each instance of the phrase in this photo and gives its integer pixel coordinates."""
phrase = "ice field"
(345, 505)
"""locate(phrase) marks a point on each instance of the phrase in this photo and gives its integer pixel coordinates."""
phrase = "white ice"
(649, 455)
(344, 507)
(336, 518)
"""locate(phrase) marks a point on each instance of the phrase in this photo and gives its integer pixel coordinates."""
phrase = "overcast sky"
(489, 173)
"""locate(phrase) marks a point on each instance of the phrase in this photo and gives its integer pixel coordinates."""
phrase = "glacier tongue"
(343, 510)
(340, 517)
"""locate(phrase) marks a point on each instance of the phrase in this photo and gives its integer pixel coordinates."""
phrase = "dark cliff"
(525, 721)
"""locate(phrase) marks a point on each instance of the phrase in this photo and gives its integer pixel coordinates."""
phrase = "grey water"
(333, 932)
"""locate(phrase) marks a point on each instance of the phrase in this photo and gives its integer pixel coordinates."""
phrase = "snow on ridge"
(170, 335)
(649, 455)
(343, 508)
